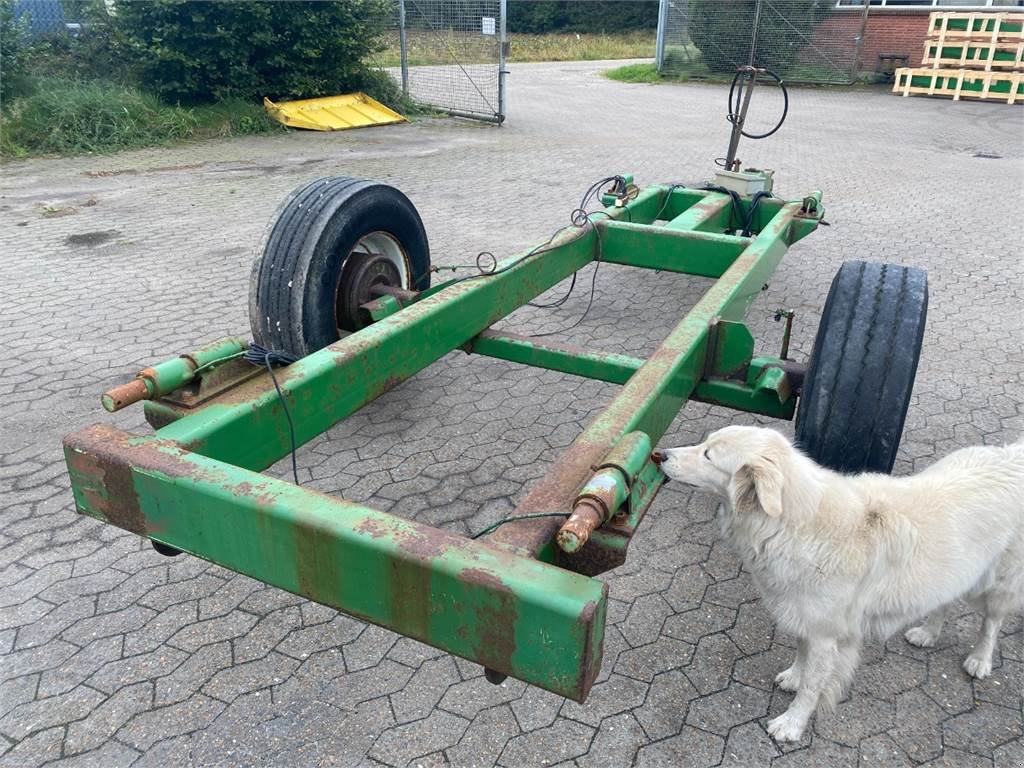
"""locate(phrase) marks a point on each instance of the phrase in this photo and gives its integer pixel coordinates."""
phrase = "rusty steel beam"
(657, 391)
(514, 615)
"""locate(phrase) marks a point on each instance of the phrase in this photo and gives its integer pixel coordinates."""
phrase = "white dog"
(839, 558)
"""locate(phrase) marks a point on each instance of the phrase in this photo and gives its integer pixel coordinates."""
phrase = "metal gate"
(452, 55)
(802, 40)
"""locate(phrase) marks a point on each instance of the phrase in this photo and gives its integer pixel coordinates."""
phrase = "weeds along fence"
(801, 40)
(448, 54)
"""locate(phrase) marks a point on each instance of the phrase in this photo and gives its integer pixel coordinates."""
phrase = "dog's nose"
(658, 456)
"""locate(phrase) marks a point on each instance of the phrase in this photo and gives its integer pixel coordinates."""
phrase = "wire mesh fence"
(801, 40)
(448, 54)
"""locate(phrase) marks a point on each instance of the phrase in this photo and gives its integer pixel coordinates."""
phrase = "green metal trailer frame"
(513, 601)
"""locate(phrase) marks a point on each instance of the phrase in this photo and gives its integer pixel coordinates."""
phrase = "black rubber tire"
(857, 388)
(297, 277)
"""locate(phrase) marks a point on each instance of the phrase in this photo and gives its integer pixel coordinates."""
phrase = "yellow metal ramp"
(333, 113)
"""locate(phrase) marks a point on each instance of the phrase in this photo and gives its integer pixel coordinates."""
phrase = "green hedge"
(204, 51)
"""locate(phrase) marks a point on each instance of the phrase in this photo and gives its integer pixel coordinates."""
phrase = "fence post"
(855, 67)
(753, 37)
(659, 45)
(502, 62)
(404, 49)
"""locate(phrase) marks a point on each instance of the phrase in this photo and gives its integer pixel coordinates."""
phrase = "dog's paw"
(788, 679)
(920, 636)
(978, 668)
(786, 727)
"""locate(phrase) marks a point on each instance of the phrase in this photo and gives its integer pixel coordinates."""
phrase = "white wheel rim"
(384, 244)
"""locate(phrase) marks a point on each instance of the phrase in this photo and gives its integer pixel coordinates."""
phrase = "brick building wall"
(888, 31)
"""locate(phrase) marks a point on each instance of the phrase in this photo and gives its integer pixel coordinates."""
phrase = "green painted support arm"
(515, 615)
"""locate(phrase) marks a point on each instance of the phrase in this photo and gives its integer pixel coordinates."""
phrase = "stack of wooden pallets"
(970, 55)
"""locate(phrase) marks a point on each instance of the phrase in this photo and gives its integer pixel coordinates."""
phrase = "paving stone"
(381, 680)
(228, 684)
(266, 634)
(748, 745)
(17, 691)
(192, 674)
(31, 660)
(644, 621)
(485, 738)
(821, 752)
(668, 702)
(562, 741)
(470, 697)
(37, 749)
(616, 743)
(1010, 755)
(617, 694)
(918, 729)
(334, 633)
(424, 689)
(80, 667)
(36, 715)
(982, 729)
(955, 758)
(711, 666)
(110, 755)
(402, 743)
(133, 669)
(691, 748)
(719, 712)
(103, 721)
(691, 626)
(892, 675)
(369, 648)
(147, 728)
(645, 662)
(882, 751)
(536, 708)
(854, 719)
(202, 633)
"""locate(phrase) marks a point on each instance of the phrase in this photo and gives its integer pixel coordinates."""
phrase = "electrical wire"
(735, 106)
(533, 516)
(258, 355)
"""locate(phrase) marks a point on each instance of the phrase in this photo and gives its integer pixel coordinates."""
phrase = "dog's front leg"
(789, 679)
(815, 675)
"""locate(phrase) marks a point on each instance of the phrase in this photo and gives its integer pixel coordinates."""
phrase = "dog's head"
(741, 464)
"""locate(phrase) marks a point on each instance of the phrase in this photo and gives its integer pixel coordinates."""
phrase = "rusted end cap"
(575, 532)
(117, 398)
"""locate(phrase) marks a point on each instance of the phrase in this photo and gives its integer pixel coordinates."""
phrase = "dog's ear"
(757, 485)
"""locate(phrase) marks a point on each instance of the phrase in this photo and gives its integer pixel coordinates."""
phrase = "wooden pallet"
(960, 83)
(976, 55)
(978, 26)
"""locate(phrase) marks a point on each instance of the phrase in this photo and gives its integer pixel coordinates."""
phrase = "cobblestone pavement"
(113, 655)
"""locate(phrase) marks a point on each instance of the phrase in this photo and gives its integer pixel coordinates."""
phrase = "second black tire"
(298, 298)
(858, 385)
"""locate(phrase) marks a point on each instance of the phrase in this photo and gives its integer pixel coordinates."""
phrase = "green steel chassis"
(514, 600)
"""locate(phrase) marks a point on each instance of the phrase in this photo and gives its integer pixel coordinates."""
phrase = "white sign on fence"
(487, 25)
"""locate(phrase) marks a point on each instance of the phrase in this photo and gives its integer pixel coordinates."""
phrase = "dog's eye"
(707, 454)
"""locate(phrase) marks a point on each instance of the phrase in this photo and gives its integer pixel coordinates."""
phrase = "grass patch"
(68, 117)
(635, 73)
(434, 48)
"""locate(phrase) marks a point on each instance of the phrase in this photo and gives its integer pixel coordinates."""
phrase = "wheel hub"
(364, 273)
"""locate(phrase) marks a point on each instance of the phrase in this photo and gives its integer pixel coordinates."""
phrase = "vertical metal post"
(502, 71)
(404, 48)
(659, 45)
(855, 66)
(753, 36)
